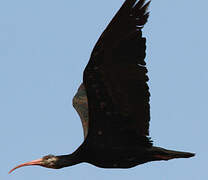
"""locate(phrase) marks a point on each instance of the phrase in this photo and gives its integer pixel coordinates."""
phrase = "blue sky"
(44, 47)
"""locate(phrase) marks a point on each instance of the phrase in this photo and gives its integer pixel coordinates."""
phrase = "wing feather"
(116, 80)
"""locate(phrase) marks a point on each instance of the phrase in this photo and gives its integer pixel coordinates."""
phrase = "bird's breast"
(115, 157)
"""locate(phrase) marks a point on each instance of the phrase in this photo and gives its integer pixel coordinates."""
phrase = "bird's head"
(49, 161)
(54, 162)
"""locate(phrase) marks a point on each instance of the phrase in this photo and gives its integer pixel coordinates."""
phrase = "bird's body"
(113, 100)
(116, 157)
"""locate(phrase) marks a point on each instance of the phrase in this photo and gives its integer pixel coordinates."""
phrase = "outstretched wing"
(80, 103)
(116, 81)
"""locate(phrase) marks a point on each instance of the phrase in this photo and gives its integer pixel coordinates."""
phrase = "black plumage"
(113, 101)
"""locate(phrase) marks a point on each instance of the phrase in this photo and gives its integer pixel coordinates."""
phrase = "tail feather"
(164, 154)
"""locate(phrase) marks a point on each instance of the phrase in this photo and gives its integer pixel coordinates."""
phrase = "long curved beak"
(34, 162)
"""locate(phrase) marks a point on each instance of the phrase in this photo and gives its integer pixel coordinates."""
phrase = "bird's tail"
(165, 154)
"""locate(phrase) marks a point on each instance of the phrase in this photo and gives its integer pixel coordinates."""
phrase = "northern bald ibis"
(113, 100)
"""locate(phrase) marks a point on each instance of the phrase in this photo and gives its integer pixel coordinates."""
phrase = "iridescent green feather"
(80, 103)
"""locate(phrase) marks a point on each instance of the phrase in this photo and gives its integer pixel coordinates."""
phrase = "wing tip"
(140, 12)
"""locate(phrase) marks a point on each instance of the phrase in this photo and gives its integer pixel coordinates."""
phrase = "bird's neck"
(69, 160)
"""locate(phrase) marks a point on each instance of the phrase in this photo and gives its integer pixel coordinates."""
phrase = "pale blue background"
(44, 47)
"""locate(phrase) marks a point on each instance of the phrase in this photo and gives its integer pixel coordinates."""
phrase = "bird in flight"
(113, 100)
